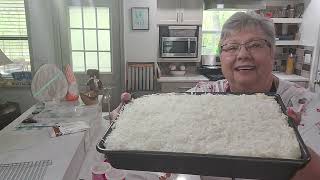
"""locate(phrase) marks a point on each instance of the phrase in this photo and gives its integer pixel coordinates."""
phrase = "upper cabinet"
(186, 12)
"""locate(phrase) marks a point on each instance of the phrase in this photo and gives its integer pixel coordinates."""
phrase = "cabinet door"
(191, 12)
(168, 11)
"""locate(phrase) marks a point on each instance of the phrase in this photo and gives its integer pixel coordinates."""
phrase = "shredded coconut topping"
(241, 125)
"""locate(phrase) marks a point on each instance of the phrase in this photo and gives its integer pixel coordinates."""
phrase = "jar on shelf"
(290, 64)
(291, 13)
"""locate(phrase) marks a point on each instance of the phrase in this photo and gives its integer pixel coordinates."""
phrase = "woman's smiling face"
(250, 65)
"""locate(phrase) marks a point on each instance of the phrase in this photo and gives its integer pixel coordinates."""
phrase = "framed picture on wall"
(140, 18)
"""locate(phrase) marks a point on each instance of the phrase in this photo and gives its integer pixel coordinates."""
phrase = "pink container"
(99, 169)
(115, 174)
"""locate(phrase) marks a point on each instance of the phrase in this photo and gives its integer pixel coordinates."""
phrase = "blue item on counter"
(23, 75)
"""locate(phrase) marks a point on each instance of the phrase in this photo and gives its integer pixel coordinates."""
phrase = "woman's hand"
(296, 116)
(311, 171)
(165, 177)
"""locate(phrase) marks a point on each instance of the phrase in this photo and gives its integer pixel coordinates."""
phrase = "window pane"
(15, 49)
(104, 40)
(90, 39)
(89, 17)
(91, 60)
(12, 18)
(213, 21)
(76, 39)
(103, 17)
(18, 52)
(78, 61)
(210, 43)
(105, 62)
(75, 17)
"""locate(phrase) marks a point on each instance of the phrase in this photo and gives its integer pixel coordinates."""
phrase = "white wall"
(309, 30)
(140, 45)
(311, 20)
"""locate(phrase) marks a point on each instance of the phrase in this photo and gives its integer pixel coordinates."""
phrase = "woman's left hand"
(311, 171)
(296, 115)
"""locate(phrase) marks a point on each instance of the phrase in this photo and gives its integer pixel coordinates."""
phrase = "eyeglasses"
(251, 46)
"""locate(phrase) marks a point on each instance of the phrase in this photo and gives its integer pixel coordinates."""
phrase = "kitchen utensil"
(99, 170)
(34, 170)
(89, 98)
(209, 60)
(209, 164)
(115, 174)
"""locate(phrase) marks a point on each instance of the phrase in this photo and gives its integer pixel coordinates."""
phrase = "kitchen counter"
(66, 152)
(309, 127)
(93, 157)
(291, 77)
(186, 78)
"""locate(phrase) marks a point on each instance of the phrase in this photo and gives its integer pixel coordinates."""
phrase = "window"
(90, 38)
(14, 36)
(213, 21)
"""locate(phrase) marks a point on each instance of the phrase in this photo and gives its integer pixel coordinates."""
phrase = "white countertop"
(66, 152)
(186, 78)
(291, 77)
(93, 156)
(309, 127)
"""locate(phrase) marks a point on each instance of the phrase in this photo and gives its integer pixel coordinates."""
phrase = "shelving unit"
(287, 42)
(287, 20)
(290, 77)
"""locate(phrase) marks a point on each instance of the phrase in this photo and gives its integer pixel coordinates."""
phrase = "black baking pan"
(208, 164)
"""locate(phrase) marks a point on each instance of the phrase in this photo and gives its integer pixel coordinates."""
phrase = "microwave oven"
(179, 47)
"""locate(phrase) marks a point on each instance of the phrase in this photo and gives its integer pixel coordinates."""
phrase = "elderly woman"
(247, 47)
(247, 52)
(247, 55)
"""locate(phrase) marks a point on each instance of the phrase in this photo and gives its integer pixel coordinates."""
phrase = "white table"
(66, 152)
(93, 156)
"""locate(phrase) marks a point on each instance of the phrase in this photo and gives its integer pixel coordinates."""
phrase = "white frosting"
(245, 125)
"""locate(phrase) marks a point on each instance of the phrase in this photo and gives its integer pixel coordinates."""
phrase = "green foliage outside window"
(213, 21)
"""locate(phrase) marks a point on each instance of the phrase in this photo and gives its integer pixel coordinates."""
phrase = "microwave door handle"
(188, 46)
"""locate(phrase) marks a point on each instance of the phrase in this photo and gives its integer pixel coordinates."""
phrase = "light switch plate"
(307, 58)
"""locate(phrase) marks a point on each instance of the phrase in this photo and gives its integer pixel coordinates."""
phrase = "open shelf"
(287, 42)
(290, 77)
(287, 20)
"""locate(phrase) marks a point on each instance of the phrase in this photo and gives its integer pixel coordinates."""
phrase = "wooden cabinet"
(185, 12)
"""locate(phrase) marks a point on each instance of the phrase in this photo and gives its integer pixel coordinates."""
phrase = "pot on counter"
(209, 60)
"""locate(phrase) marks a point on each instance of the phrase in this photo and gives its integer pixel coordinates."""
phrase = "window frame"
(96, 5)
(27, 37)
